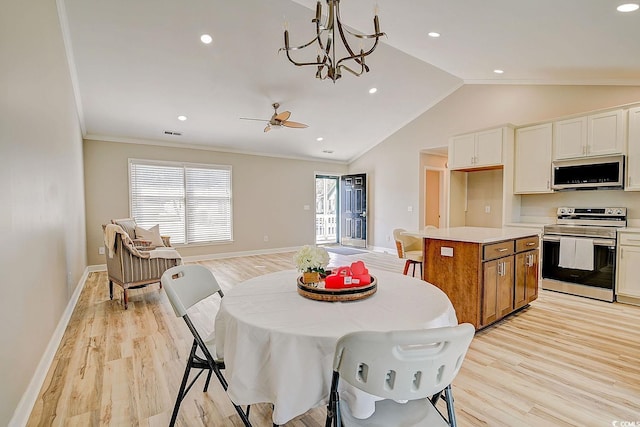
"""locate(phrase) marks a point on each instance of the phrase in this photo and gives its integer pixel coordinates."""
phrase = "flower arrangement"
(311, 259)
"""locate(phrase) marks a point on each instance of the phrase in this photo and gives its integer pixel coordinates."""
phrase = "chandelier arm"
(355, 56)
(364, 67)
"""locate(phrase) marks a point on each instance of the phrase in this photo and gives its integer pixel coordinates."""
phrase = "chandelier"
(328, 62)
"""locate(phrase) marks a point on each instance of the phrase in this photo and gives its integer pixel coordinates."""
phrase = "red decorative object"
(348, 277)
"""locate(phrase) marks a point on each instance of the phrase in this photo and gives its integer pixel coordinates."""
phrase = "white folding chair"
(187, 285)
(415, 366)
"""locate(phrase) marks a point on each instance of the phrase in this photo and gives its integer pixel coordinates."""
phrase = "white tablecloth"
(278, 346)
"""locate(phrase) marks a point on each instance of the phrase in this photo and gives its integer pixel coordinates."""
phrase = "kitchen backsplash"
(542, 207)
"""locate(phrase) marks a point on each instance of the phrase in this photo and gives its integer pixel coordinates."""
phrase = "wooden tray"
(332, 295)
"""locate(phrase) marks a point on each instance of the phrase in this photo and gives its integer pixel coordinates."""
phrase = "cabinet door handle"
(502, 269)
(531, 243)
(530, 260)
(503, 250)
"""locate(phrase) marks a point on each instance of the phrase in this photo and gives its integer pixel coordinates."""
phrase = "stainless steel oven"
(579, 251)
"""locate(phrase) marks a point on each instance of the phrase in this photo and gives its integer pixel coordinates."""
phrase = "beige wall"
(41, 192)
(484, 189)
(394, 165)
(269, 195)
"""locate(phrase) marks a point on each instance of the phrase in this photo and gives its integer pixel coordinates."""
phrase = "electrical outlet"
(388, 238)
(487, 209)
(266, 238)
(101, 250)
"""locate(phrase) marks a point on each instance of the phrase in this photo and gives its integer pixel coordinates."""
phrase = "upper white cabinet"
(633, 151)
(593, 135)
(476, 150)
(533, 159)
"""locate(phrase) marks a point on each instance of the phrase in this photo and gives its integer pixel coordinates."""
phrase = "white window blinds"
(192, 203)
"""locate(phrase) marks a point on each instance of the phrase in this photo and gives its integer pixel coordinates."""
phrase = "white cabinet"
(569, 138)
(476, 150)
(533, 159)
(633, 151)
(593, 135)
(628, 280)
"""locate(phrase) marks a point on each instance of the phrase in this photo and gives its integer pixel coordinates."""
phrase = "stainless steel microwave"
(590, 173)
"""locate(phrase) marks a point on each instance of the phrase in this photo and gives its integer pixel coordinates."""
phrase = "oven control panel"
(592, 212)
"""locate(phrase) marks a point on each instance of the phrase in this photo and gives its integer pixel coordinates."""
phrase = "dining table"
(278, 346)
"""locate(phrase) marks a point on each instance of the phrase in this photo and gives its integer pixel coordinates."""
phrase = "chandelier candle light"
(329, 66)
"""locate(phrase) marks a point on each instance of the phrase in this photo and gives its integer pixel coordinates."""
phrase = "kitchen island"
(487, 273)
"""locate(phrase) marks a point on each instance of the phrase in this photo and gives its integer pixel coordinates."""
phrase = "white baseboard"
(28, 400)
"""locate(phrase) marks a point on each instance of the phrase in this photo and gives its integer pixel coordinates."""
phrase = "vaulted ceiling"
(138, 65)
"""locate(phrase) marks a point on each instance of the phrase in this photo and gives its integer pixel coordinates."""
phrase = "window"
(191, 202)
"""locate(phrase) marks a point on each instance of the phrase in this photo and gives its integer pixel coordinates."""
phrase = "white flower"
(311, 258)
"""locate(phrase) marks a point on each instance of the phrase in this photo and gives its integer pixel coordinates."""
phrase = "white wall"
(394, 165)
(42, 254)
(269, 195)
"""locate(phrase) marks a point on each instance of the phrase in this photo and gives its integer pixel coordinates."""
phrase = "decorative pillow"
(152, 234)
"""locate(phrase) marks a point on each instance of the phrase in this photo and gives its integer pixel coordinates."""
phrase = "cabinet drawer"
(528, 243)
(631, 239)
(497, 250)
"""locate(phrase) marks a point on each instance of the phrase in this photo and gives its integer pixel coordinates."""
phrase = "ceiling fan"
(278, 120)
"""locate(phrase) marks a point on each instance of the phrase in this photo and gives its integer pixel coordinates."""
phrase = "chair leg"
(406, 267)
(421, 272)
(206, 384)
(183, 385)
(451, 414)
(413, 270)
(110, 289)
(126, 299)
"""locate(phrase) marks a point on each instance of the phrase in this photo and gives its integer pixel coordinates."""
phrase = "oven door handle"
(596, 242)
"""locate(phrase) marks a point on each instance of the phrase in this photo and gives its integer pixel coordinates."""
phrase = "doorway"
(326, 209)
(434, 209)
(341, 210)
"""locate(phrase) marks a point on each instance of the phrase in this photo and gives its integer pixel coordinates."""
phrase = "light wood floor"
(564, 361)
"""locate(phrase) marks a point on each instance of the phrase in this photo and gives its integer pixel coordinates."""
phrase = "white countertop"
(629, 230)
(476, 234)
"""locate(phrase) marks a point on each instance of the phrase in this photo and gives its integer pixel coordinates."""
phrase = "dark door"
(353, 210)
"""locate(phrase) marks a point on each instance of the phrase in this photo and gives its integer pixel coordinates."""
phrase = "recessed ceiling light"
(182, 118)
(497, 71)
(206, 38)
(373, 90)
(434, 34)
(327, 151)
(319, 138)
(628, 7)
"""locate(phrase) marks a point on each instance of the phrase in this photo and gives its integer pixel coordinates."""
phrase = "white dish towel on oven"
(576, 253)
(584, 254)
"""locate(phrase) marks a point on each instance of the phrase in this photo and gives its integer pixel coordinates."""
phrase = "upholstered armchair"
(134, 263)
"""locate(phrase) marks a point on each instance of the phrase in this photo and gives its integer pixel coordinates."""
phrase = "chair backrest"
(406, 243)
(403, 365)
(187, 285)
(397, 236)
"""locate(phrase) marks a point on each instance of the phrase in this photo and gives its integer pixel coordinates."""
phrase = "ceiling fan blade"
(294, 125)
(281, 117)
(268, 128)
(258, 120)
